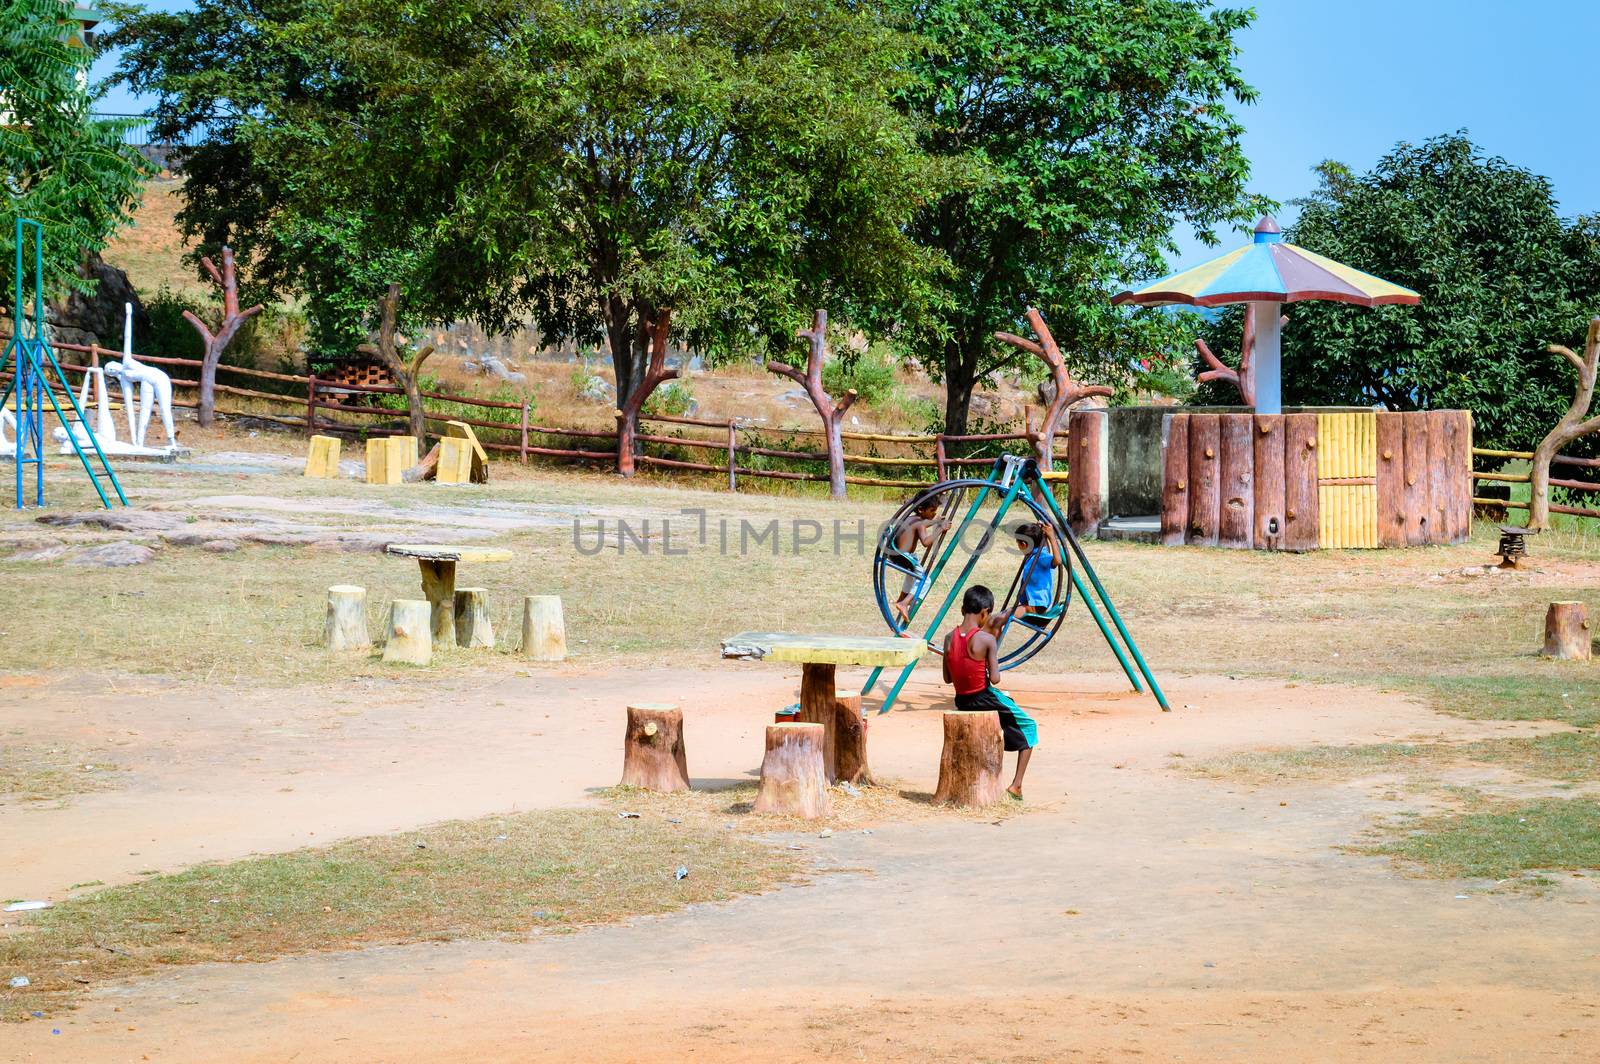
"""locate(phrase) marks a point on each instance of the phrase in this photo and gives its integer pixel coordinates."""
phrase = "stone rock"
(100, 313)
(1046, 392)
(140, 521)
(113, 555)
(598, 390)
(984, 406)
(794, 396)
(220, 546)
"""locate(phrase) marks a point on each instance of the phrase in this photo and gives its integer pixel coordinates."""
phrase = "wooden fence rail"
(1523, 478)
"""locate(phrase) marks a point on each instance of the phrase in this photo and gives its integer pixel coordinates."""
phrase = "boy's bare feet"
(1015, 792)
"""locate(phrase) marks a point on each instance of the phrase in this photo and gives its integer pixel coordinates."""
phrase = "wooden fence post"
(524, 445)
(938, 457)
(311, 405)
(733, 451)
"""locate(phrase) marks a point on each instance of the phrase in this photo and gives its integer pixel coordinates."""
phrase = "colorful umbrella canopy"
(1267, 273)
(1269, 270)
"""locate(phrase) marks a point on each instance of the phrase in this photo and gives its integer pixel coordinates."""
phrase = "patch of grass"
(37, 773)
(1569, 756)
(1572, 757)
(1538, 694)
(1496, 840)
(499, 876)
(1311, 762)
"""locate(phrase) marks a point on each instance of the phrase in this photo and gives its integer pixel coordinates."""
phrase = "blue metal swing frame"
(1019, 477)
(29, 353)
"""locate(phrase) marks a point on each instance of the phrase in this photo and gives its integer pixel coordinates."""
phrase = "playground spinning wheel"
(970, 540)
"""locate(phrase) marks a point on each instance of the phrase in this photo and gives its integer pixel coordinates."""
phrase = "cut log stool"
(544, 633)
(850, 741)
(1566, 631)
(972, 759)
(473, 628)
(652, 748)
(345, 627)
(322, 458)
(792, 779)
(410, 638)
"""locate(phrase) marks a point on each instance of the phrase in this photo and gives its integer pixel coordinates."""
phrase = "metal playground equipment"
(28, 354)
(1012, 481)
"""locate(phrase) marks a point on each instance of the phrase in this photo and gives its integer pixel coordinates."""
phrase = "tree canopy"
(738, 162)
(1078, 133)
(1501, 273)
(60, 166)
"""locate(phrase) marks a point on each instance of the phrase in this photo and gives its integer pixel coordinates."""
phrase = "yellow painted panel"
(455, 461)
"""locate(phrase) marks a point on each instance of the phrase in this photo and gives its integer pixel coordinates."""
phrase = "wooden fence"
(1523, 478)
(328, 408)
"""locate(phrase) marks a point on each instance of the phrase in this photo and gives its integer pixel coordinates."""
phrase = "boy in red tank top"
(972, 665)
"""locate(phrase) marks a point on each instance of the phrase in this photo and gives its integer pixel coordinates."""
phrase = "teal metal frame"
(1020, 477)
(29, 353)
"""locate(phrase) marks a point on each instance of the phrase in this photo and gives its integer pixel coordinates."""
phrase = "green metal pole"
(1111, 609)
(966, 571)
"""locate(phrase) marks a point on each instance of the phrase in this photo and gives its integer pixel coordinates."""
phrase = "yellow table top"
(448, 552)
(884, 650)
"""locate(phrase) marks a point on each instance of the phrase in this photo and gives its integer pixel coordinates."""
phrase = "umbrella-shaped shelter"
(1268, 273)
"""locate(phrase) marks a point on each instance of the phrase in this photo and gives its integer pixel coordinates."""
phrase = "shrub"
(871, 373)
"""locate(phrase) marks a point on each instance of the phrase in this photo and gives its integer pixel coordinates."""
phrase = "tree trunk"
(850, 741)
(410, 639)
(1205, 439)
(972, 759)
(653, 756)
(416, 419)
(424, 469)
(818, 706)
(439, 586)
(473, 628)
(652, 332)
(544, 632)
(345, 627)
(1571, 426)
(204, 409)
(792, 779)
(960, 377)
(1566, 631)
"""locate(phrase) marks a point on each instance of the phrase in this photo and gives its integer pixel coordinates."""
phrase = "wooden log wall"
(1086, 486)
(1305, 481)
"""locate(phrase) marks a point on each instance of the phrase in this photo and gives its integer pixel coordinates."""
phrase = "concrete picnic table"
(438, 564)
(844, 726)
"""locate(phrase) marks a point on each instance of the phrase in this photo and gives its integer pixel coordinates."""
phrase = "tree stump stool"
(345, 627)
(972, 759)
(410, 636)
(473, 628)
(850, 741)
(1566, 631)
(544, 633)
(652, 748)
(792, 779)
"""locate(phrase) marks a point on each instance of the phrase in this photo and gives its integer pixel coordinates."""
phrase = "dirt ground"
(1137, 912)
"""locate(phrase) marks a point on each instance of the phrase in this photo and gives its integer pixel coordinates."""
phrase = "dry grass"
(883, 803)
(1385, 618)
(1568, 756)
(151, 250)
(30, 772)
(497, 877)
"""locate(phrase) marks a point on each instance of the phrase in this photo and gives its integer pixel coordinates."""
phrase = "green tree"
(230, 77)
(61, 166)
(737, 162)
(1501, 274)
(1080, 132)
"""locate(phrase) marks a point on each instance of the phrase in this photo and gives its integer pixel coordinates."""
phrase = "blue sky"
(1348, 79)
